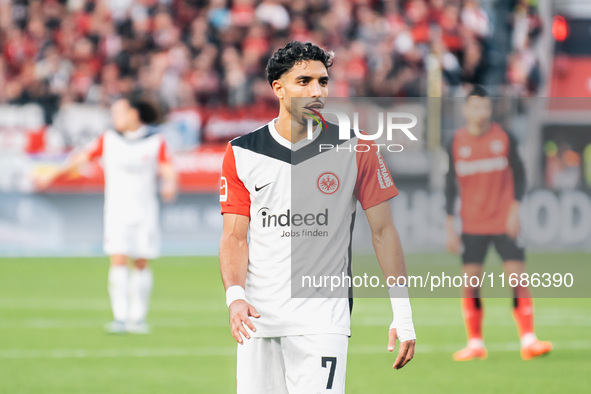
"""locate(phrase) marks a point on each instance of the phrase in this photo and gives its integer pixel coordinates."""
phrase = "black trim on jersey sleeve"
(516, 165)
(451, 187)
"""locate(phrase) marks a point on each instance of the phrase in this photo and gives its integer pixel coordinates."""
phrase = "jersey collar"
(288, 144)
(135, 135)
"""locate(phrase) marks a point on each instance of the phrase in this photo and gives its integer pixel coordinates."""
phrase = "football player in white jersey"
(288, 207)
(133, 155)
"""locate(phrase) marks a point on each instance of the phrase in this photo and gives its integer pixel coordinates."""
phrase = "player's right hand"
(168, 191)
(452, 242)
(240, 313)
(42, 180)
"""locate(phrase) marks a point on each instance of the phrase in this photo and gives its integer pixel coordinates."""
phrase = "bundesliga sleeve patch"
(223, 189)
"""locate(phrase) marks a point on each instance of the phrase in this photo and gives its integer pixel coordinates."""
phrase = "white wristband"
(234, 293)
(402, 321)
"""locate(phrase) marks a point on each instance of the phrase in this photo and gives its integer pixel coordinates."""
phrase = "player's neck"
(477, 130)
(288, 129)
(132, 128)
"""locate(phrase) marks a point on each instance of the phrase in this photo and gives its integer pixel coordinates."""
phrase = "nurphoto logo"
(388, 121)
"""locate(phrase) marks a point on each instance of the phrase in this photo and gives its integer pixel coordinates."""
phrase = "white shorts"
(299, 364)
(135, 241)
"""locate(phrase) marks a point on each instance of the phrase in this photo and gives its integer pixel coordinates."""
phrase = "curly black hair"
(295, 52)
(147, 109)
(478, 91)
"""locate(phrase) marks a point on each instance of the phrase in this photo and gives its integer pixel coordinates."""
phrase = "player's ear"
(278, 88)
(134, 113)
(465, 109)
(489, 107)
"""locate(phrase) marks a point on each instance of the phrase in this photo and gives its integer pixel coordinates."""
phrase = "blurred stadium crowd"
(213, 53)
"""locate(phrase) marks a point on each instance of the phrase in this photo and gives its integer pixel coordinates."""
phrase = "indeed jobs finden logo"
(344, 123)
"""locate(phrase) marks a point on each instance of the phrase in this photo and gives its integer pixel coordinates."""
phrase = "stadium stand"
(212, 53)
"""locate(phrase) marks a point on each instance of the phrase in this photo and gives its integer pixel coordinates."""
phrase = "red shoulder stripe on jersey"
(95, 150)
(234, 197)
(374, 183)
(163, 153)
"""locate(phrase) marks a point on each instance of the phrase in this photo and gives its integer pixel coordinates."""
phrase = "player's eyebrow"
(323, 78)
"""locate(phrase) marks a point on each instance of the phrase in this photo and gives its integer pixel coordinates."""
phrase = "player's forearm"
(451, 188)
(450, 196)
(233, 260)
(389, 253)
(168, 174)
(518, 170)
(75, 160)
(449, 224)
(391, 259)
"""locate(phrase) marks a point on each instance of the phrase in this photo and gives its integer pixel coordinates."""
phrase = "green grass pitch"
(52, 312)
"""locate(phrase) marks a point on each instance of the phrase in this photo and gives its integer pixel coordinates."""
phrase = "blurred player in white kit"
(134, 154)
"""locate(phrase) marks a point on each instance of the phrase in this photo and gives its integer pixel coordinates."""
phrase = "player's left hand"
(406, 351)
(513, 223)
(168, 191)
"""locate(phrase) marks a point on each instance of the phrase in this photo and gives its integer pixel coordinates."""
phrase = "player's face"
(478, 111)
(307, 80)
(121, 113)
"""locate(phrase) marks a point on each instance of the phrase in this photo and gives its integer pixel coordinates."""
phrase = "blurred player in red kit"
(133, 156)
(491, 179)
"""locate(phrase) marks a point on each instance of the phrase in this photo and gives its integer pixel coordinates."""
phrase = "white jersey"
(130, 162)
(301, 202)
